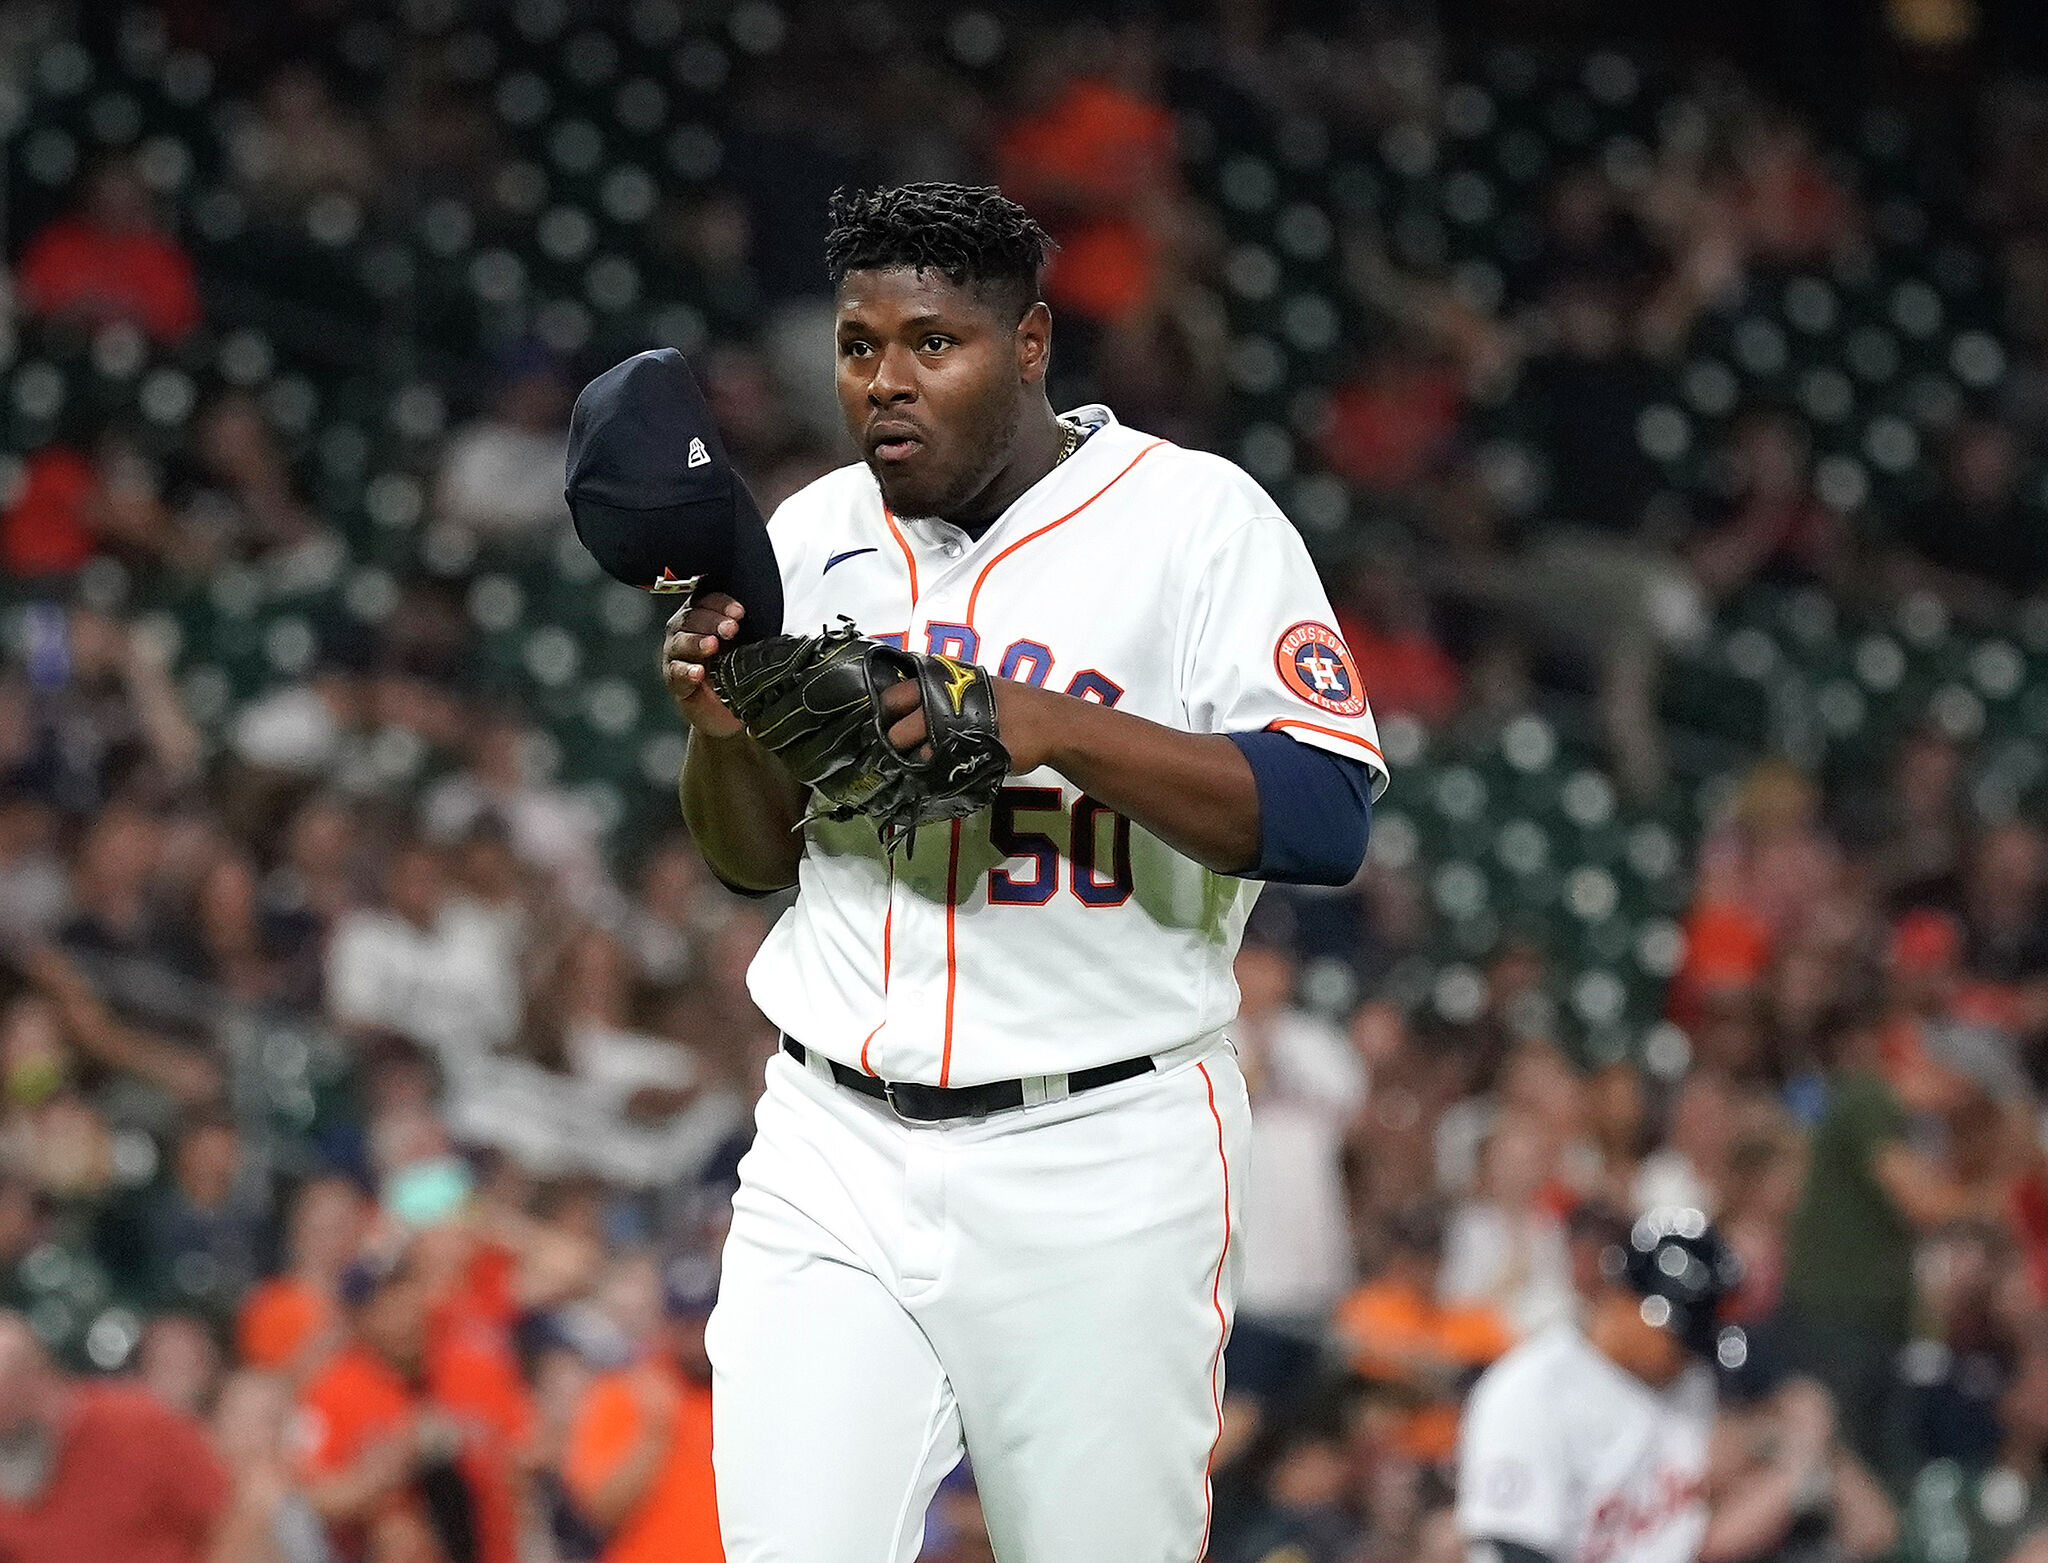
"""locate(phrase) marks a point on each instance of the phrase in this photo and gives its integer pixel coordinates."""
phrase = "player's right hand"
(696, 633)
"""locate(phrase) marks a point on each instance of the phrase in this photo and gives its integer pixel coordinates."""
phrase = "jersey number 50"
(1093, 882)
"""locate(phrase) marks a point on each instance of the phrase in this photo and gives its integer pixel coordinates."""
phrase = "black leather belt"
(939, 1103)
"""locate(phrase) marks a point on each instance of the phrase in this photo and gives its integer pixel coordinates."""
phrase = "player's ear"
(1034, 344)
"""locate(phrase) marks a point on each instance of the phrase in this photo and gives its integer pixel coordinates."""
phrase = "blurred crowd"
(370, 1104)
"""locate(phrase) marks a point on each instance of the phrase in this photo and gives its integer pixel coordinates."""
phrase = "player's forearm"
(743, 810)
(1194, 791)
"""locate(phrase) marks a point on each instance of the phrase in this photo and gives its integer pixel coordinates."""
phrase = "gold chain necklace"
(1072, 442)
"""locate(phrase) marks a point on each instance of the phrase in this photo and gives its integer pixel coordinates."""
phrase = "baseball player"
(991, 1202)
(1591, 1444)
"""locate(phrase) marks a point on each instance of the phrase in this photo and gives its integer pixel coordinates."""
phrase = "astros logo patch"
(1314, 664)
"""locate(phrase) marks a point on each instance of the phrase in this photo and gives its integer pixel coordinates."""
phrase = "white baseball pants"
(1048, 1289)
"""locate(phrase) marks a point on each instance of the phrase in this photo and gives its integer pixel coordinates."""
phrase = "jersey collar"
(1084, 464)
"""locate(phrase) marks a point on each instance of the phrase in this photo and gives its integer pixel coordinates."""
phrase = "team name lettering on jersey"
(1624, 1519)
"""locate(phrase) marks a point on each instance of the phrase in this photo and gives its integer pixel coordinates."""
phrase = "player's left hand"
(1020, 714)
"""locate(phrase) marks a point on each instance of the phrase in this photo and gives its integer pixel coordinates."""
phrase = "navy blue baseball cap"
(655, 497)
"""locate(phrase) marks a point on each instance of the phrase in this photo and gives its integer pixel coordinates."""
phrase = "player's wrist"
(1025, 723)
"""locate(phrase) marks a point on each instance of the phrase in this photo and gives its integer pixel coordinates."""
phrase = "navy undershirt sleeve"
(1315, 810)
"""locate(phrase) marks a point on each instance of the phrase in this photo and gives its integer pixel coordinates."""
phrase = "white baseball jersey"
(1565, 1452)
(1048, 934)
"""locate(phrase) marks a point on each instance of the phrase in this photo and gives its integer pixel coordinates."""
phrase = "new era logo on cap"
(699, 456)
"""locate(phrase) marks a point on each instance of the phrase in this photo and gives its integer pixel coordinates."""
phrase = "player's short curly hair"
(972, 235)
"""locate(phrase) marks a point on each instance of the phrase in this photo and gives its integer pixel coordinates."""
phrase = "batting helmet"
(1683, 1270)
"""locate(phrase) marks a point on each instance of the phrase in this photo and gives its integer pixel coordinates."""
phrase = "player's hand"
(1020, 716)
(904, 707)
(696, 633)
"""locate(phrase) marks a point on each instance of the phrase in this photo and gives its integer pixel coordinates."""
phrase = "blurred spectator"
(1392, 423)
(2005, 934)
(270, 1519)
(1090, 153)
(1399, 1334)
(426, 963)
(99, 1470)
(1980, 1516)
(1690, 1168)
(110, 261)
(70, 506)
(1385, 621)
(178, 1360)
(1601, 583)
(1788, 1441)
(47, 526)
(676, 904)
(1911, 837)
(1775, 530)
(392, 1471)
(1305, 1085)
(299, 145)
(1505, 1247)
(1849, 1276)
(1975, 543)
(242, 501)
(205, 1233)
(1789, 208)
(639, 1456)
(287, 1322)
(1760, 874)
(501, 476)
(106, 717)
(35, 884)
(1759, 1194)
(549, 829)
(1301, 1510)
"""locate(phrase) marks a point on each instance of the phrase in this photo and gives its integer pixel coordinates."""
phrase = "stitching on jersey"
(1222, 1323)
(889, 916)
(1329, 732)
(888, 922)
(909, 558)
(952, 957)
(982, 579)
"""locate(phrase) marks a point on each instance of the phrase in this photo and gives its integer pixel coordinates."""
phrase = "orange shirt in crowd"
(677, 1522)
(1727, 946)
(280, 1320)
(358, 1400)
(1405, 672)
(134, 1481)
(1094, 152)
(1391, 1323)
(74, 268)
(472, 1359)
(46, 530)
(1391, 427)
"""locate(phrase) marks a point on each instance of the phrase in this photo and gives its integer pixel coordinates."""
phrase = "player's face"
(1653, 1355)
(932, 380)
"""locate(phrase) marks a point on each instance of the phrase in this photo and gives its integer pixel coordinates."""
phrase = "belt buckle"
(889, 1096)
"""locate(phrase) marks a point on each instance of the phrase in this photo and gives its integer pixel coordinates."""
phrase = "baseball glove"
(814, 701)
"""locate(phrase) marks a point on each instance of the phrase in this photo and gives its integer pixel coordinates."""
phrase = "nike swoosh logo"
(851, 553)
